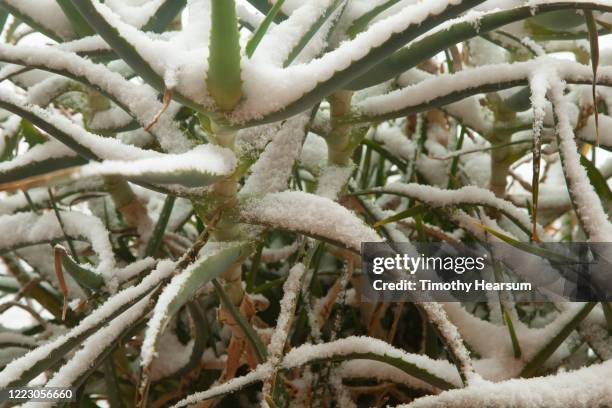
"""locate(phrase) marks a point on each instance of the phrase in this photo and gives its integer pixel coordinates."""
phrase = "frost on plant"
(185, 186)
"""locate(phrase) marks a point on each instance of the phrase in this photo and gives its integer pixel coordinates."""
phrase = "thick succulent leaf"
(199, 167)
(20, 371)
(535, 362)
(120, 45)
(164, 15)
(311, 215)
(360, 66)
(312, 30)
(85, 277)
(427, 47)
(215, 259)
(81, 27)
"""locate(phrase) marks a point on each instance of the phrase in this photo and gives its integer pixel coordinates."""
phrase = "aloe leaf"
(312, 30)
(40, 168)
(120, 45)
(199, 167)
(46, 125)
(83, 276)
(252, 337)
(223, 77)
(58, 349)
(431, 45)
(160, 227)
(515, 218)
(541, 356)
(164, 15)
(78, 23)
(263, 28)
(360, 66)
(37, 25)
(397, 362)
(183, 286)
(362, 22)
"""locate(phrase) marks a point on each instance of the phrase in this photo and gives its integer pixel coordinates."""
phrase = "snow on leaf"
(309, 214)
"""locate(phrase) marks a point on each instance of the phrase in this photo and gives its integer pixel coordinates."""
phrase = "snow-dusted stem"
(339, 139)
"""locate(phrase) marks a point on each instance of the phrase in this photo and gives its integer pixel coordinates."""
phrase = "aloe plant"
(185, 187)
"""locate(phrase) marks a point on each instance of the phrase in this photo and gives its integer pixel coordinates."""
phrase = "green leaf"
(78, 22)
(40, 168)
(262, 28)
(252, 337)
(530, 248)
(160, 227)
(165, 14)
(58, 352)
(120, 45)
(433, 44)
(83, 276)
(343, 77)
(223, 78)
(410, 212)
(409, 368)
(31, 135)
(361, 23)
(184, 285)
(312, 30)
(385, 153)
(558, 20)
(598, 181)
(535, 363)
(515, 342)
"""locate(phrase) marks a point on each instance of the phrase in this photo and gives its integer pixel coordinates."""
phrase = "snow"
(104, 148)
(49, 150)
(333, 180)
(161, 316)
(46, 13)
(306, 353)
(291, 291)
(586, 387)
(259, 374)
(28, 228)
(271, 172)
(204, 159)
(452, 340)
(439, 86)
(139, 100)
(311, 214)
(588, 205)
(438, 197)
(92, 348)
(17, 367)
